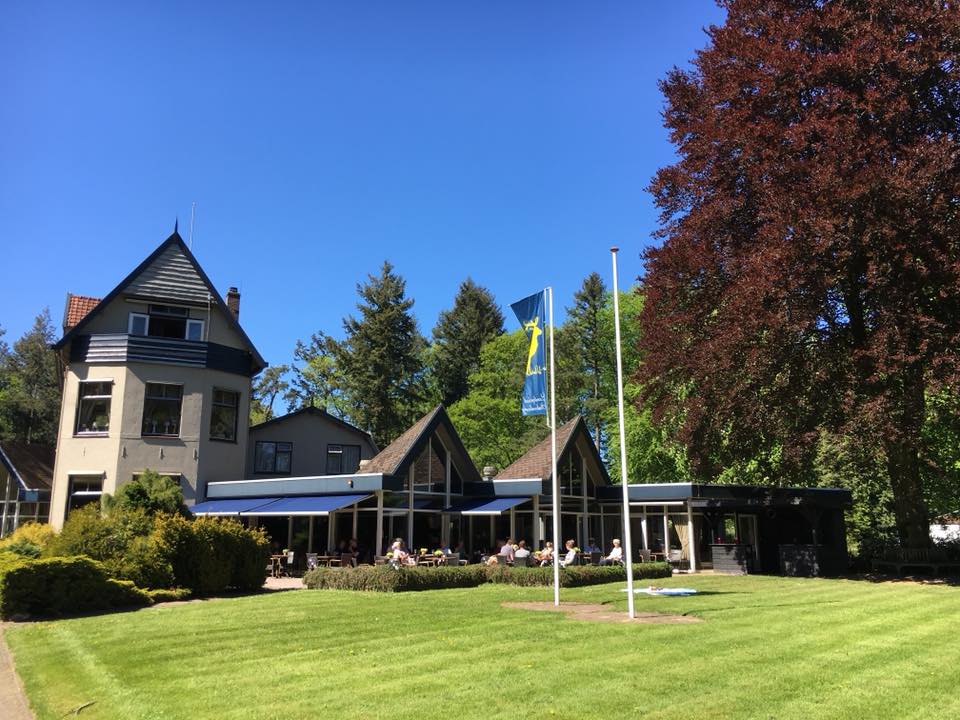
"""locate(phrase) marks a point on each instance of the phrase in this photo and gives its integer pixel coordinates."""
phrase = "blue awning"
(308, 505)
(487, 506)
(231, 507)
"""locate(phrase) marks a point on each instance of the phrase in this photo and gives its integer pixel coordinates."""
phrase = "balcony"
(120, 348)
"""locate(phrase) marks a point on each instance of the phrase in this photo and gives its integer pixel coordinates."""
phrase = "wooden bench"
(916, 559)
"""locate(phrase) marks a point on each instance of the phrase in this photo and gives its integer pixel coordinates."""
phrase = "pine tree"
(315, 377)
(459, 335)
(29, 386)
(380, 361)
(267, 389)
(592, 351)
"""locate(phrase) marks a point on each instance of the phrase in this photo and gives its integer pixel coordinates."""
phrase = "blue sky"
(508, 141)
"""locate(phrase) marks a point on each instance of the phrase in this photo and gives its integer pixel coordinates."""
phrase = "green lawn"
(769, 648)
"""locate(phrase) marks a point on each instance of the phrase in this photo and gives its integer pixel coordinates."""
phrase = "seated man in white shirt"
(592, 547)
(616, 554)
(571, 557)
(521, 551)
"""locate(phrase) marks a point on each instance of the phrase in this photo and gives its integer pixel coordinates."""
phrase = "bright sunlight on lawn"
(769, 648)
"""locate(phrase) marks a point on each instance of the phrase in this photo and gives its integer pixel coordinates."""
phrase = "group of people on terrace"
(508, 553)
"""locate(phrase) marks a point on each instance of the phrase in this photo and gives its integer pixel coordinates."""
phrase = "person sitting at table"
(616, 554)
(507, 550)
(400, 554)
(545, 556)
(522, 551)
(592, 547)
(571, 557)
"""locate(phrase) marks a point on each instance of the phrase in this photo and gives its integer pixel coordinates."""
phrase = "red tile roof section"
(536, 462)
(78, 306)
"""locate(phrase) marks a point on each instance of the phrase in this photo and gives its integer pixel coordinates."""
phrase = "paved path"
(12, 699)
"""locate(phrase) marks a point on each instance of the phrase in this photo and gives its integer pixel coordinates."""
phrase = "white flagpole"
(627, 542)
(553, 454)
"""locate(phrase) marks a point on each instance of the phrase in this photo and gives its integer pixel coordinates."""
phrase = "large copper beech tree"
(808, 274)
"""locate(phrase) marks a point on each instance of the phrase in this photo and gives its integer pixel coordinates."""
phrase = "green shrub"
(575, 576)
(32, 533)
(209, 555)
(385, 578)
(150, 492)
(168, 594)
(102, 537)
(22, 547)
(61, 586)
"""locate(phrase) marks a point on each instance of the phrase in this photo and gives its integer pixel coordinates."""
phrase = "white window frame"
(236, 416)
(146, 397)
(146, 324)
(80, 397)
(194, 321)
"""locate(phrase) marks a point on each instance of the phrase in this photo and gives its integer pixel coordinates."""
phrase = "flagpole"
(627, 542)
(553, 459)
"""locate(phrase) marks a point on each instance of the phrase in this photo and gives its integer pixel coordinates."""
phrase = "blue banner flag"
(529, 312)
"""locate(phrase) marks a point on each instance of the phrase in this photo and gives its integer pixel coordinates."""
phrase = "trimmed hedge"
(209, 555)
(576, 575)
(385, 578)
(60, 586)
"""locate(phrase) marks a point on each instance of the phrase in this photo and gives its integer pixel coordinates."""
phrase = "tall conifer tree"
(459, 335)
(380, 361)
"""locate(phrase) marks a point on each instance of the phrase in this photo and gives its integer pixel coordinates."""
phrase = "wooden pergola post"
(691, 538)
(378, 548)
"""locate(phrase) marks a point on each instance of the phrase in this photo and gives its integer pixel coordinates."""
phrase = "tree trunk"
(903, 462)
(910, 509)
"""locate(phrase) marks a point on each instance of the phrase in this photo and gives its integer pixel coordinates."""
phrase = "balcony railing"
(118, 348)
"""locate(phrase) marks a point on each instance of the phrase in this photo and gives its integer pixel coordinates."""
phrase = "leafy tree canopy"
(808, 278)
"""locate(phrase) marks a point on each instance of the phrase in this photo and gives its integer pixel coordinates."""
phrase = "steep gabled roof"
(537, 461)
(173, 243)
(395, 459)
(30, 465)
(320, 413)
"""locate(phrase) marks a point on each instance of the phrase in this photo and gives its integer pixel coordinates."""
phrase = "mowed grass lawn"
(768, 648)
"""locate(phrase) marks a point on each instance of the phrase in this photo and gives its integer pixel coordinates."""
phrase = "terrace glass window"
(273, 457)
(223, 415)
(161, 410)
(93, 407)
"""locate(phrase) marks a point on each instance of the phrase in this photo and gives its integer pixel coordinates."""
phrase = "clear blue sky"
(508, 141)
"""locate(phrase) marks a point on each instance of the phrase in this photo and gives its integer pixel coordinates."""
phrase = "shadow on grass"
(877, 578)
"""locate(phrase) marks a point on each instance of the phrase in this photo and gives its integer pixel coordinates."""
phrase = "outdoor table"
(276, 565)
(326, 560)
(427, 560)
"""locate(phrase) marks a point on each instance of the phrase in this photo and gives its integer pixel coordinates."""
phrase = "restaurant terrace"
(424, 488)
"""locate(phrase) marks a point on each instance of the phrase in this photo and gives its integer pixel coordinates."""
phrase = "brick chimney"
(233, 302)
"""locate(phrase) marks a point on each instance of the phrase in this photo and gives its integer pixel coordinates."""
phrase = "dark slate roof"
(397, 456)
(388, 460)
(175, 239)
(31, 465)
(537, 461)
(319, 413)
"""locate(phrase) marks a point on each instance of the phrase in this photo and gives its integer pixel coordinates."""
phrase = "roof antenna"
(193, 211)
(176, 224)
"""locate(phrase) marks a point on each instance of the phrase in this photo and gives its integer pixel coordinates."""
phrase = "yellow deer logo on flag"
(533, 328)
